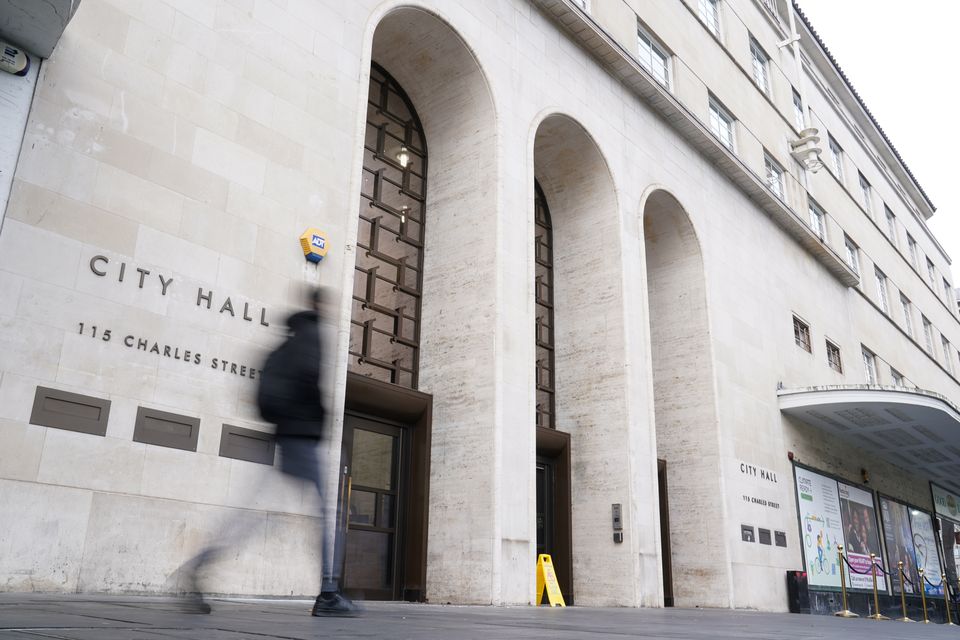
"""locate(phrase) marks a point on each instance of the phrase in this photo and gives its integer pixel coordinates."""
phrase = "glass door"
(373, 451)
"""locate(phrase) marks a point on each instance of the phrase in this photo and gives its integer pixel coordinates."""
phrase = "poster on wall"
(925, 551)
(947, 506)
(861, 536)
(899, 540)
(821, 529)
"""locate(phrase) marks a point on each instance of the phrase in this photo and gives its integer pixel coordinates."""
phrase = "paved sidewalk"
(79, 617)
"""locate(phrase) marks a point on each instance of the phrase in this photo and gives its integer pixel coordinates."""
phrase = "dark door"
(665, 535)
(546, 506)
(374, 454)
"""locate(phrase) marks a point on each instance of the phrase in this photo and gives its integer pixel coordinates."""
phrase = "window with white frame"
(836, 159)
(912, 248)
(818, 220)
(927, 334)
(798, 110)
(833, 357)
(932, 273)
(947, 362)
(710, 14)
(801, 334)
(897, 377)
(583, 4)
(881, 280)
(907, 314)
(947, 293)
(774, 176)
(865, 190)
(853, 253)
(891, 224)
(869, 366)
(653, 57)
(721, 123)
(760, 60)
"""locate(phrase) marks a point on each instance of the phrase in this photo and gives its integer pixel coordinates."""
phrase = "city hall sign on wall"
(102, 267)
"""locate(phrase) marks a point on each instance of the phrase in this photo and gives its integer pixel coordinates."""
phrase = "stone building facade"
(611, 257)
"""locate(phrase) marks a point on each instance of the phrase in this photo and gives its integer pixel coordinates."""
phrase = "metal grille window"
(801, 334)
(927, 334)
(760, 60)
(774, 176)
(891, 224)
(818, 220)
(853, 254)
(653, 57)
(833, 357)
(836, 159)
(710, 14)
(543, 295)
(798, 110)
(869, 366)
(721, 123)
(881, 280)
(385, 321)
(865, 189)
(912, 248)
(897, 377)
(907, 314)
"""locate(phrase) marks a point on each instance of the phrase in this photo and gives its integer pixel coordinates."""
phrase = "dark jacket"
(289, 393)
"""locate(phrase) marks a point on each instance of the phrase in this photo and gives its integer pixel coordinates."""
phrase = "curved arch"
(684, 398)
(589, 347)
(445, 83)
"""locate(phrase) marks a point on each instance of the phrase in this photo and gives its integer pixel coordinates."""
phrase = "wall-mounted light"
(404, 210)
(403, 157)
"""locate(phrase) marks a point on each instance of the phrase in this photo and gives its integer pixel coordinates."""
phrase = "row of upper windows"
(882, 292)
(890, 227)
(654, 57)
(802, 338)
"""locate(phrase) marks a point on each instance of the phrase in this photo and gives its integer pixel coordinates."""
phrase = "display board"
(947, 507)
(925, 551)
(821, 527)
(898, 537)
(861, 536)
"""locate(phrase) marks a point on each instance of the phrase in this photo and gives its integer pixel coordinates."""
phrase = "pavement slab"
(85, 617)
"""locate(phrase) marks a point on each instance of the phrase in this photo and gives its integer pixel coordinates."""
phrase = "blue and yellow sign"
(314, 244)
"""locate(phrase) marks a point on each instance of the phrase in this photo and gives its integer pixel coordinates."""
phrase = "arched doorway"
(385, 446)
(593, 438)
(417, 345)
(694, 554)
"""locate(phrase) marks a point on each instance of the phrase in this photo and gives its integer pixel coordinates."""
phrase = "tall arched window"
(385, 320)
(543, 288)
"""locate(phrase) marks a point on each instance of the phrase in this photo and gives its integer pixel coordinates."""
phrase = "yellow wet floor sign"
(547, 578)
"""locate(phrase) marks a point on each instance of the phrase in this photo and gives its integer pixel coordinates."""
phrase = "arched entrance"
(585, 443)
(694, 554)
(416, 334)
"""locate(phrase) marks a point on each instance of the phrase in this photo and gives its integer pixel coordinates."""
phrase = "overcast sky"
(902, 57)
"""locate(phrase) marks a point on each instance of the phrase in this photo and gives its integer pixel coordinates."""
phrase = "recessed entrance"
(385, 470)
(553, 504)
(667, 564)
(375, 455)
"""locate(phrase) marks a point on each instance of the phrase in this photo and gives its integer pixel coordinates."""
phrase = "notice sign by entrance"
(547, 579)
(821, 530)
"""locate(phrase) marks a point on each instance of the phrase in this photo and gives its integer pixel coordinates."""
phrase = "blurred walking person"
(289, 397)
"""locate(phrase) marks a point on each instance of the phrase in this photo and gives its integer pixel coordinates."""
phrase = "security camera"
(13, 60)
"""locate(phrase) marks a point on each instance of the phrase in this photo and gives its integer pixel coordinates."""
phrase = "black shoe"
(334, 605)
(194, 603)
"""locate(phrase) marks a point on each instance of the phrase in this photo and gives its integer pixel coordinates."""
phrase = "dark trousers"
(299, 458)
